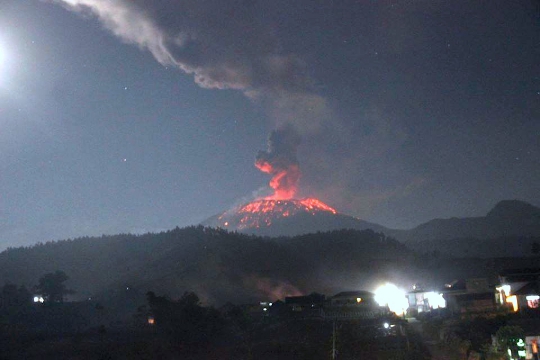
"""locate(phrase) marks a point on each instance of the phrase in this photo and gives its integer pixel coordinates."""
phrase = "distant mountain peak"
(514, 209)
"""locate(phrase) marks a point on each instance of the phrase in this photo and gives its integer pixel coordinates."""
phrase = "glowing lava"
(261, 213)
(280, 162)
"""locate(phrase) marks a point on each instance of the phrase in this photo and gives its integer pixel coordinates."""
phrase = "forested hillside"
(218, 265)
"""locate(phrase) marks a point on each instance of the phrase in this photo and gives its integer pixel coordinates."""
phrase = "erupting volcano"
(280, 213)
(266, 211)
(269, 217)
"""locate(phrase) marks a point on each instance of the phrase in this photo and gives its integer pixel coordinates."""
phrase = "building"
(470, 297)
(305, 303)
(354, 305)
(519, 289)
(421, 301)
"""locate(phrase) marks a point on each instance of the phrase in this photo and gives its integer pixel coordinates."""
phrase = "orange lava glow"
(261, 213)
(284, 180)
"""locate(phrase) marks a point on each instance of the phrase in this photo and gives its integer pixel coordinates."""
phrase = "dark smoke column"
(280, 162)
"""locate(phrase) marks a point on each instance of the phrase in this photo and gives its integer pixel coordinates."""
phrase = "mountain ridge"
(508, 218)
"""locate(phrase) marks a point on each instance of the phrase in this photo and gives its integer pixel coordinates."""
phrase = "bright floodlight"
(436, 300)
(390, 295)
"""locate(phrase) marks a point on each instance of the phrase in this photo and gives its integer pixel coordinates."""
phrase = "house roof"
(471, 296)
(350, 294)
(306, 299)
(531, 288)
(515, 275)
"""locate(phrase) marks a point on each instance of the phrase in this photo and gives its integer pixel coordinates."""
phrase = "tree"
(510, 337)
(185, 320)
(535, 248)
(11, 296)
(52, 287)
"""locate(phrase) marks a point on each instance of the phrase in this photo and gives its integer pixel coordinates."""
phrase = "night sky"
(122, 116)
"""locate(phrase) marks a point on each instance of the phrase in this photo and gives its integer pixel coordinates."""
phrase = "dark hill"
(219, 266)
(515, 209)
(509, 218)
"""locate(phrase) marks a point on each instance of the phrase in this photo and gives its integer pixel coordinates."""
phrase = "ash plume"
(281, 163)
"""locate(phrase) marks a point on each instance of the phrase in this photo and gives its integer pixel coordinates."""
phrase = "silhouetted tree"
(11, 296)
(185, 320)
(535, 248)
(52, 287)
(508, 337)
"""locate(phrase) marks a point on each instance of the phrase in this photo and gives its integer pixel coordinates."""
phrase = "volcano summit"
(290, 217)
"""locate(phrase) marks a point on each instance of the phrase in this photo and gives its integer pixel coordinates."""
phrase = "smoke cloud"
(271, 289)
(224, 44)
(280, 161)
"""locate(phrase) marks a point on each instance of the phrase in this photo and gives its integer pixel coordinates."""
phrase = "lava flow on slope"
(263, 212)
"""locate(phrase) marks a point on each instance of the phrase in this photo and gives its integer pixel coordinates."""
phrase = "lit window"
(532, 301)
(151, 320)
(358, 300)
(513, 300)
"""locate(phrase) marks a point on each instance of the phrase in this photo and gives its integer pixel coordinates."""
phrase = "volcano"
(269, 217)
(281, 214)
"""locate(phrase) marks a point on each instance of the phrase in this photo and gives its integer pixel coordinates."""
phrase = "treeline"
(218, 265)
(221, 266)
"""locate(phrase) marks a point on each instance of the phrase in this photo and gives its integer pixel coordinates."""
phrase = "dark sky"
(135, 115)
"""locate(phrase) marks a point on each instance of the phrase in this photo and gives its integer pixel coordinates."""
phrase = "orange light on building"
(512, 299)
(151, 320)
